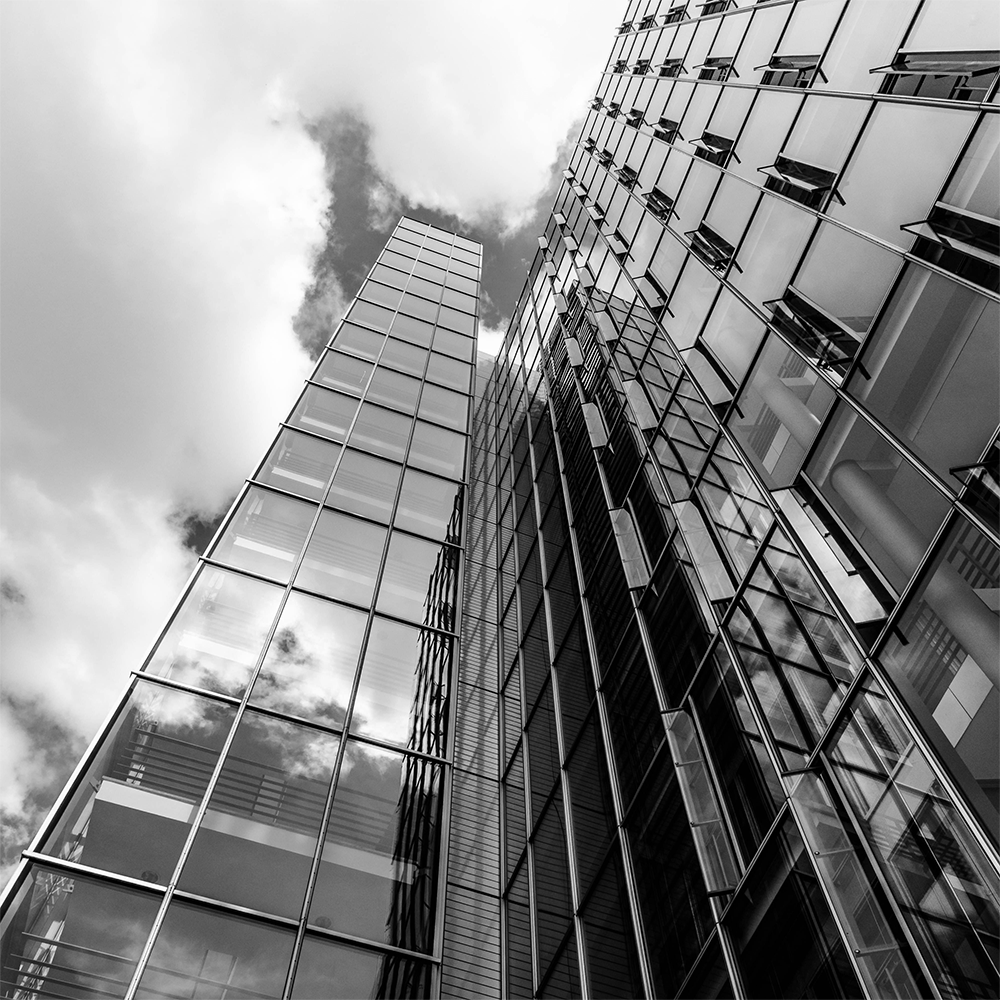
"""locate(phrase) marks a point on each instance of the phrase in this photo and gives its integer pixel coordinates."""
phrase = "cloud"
(175, 178)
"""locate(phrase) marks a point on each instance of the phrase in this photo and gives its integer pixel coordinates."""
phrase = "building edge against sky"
(681, 680)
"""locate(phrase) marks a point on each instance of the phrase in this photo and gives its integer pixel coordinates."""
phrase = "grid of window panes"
(763, 320)
(262, 817)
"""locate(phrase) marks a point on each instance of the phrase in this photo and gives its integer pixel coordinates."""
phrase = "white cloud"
(161, 202)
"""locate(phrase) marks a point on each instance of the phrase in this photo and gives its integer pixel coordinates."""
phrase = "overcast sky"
(190, 194)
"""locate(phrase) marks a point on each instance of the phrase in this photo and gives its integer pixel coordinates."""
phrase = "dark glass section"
(338, 971)
(517, 939)
(554, 905)
(562, 980)
(515, 831)
(676, 912)
(709, 979)
(576, 682)
(543, 752)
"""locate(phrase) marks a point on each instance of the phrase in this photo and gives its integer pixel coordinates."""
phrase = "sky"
(190, 195)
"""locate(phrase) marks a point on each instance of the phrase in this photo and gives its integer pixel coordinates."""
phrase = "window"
(627, 176)
(642, 66)
(675, 14)
(712, 248)
(810, 186)
(789, 71)
(714, 148)
(659, 204)
(672, 67)
(814, 331)
(715, 7)
(716, 68)
(605, 156)
(649, 21)
(624, 28)
(612, 109)
(960, 242)
(634, 117)
(667, 130)
(621, 66)
(953, 76)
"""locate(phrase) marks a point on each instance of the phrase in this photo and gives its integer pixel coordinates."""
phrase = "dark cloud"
(198, 528)
(11, 594)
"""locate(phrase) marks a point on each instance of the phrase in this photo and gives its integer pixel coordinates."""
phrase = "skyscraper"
(663, 665)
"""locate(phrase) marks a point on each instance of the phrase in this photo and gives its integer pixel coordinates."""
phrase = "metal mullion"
(68, 867)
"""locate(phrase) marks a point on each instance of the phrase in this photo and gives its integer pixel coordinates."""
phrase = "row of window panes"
(401, 262)
(377, 302)
(412, 230)
(453, 265)
(429, 287)
(198, 952)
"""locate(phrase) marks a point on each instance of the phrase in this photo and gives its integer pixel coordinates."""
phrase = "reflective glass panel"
(73, 937)
(342, 558)
(419, 578)
(402, 696)
(371, 315)
(341, 371)
(131, 812)
(430, 506)
(204, 953)
(416, 331)
(396, 260)
(300, 463)
(218, 632)
(416, 306)
(455, 320)
(395, 390)
(388, 276)
(365, 485)
(378, 870)
(435, 449)
(263, 817)
(265, 534)
(428, 289)
(454, 344)
(311, 661)
(401, 246)
(459, 300)
(462, 283)
(340, 971)
(445, 407)
(384, 295)
(406, 357)
(357, 340)
(381, 431)
(426, 270)
(449, 372)
(324, 412)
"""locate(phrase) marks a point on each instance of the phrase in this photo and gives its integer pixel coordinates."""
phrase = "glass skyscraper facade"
(657, 657)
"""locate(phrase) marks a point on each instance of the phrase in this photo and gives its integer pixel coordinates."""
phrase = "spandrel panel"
(73, 937)
(299, 463)
(445, 407)
(403, 693)
(311, 661)
(341, 371)
(419, 580)
(381, 431)
(204, 953)
(378, 869)
(324, 412)
(392, 389)
(264, 817)
(339, 971)
(218, 633)
(342, 558)
(437, 450)
(131, 811)
(365, 485)
(266, 534)
(430, 506)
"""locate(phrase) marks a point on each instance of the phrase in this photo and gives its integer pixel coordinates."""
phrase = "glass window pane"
(428, 505)
(300, 463)
(454, 344)
(396, 260)
(264, 817)
(342, 558)
(449, 372)
(265, 534)
(388, 275)
(131, 811)
(445, 407)
(340, 371)
(401, 246)
(204, 953)
(395, 390)
(459, 300)
(365, 485)
(416, 331)
(462, 283)
(218, 632)
(339, 971)
(324, 412)
(428, 289)
(456, 320)
(419, 307)
(403, 693)
(384, 295)
(426, 270)
(434, 449)
(357, 340)
(433, 257)
(371, 315)
(406, 357)
(73, 937)
(381, 431)
(310, 663)
(380, 857)
(412, 581)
